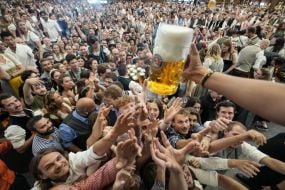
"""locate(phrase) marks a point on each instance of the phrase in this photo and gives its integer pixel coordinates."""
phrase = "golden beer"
(171, 47)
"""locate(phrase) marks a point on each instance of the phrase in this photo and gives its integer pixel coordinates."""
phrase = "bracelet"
(206, 77)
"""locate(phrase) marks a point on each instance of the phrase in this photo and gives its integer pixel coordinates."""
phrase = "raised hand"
(195, 71)
(170, 112)
(124, 122)
(127, 151)
(219, 124)
(257, 137)
(250, 168)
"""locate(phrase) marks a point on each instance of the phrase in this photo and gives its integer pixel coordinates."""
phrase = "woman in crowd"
(67, 88)
(229, 56)
(57, 107)
(58, 55)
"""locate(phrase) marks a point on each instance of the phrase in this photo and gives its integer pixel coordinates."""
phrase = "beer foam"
(172, 42)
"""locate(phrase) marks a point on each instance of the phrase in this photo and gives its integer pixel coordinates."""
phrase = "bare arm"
(28, 97)
(4, 75)
(274, 164)
(255, 95)
(177, 180)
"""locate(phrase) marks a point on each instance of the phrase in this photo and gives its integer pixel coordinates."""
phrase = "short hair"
(122, 70)
(4, 96)
(5, 34)
(111, 75)
(26, 74)
(182, 112)
(69, 57)
(85, 74)
(226, 104)
(124, 100)
(113, 91)
(43, 60)
(251, 30)
(192, 111)
(101, 69)
(31, 122)
(47, 54)
(235, 123)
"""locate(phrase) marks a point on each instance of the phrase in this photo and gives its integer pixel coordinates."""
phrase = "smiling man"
(17, 133)
(47, 136)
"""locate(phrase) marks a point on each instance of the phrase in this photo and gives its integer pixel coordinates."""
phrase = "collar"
(79, 117)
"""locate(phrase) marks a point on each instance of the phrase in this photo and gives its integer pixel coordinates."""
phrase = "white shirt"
(80, 162)
(16, 135)
(24, 54)
(260, 60)
(52, 28)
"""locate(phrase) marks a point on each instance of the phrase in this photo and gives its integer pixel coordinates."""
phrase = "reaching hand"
(127, 151)
(172, 110)
(124, 122)
(150, 130)
(123, 177)
(220, 124)
(34, 81)
(195, 71)
(257, 137)
(248, 167)
(195, 163)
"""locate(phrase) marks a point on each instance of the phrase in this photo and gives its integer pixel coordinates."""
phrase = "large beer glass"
(171, 48)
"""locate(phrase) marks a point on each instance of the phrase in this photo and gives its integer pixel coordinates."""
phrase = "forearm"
(28, 97)
(177, 180)
(104, 176)
(229, 183)
(159, 179)
(274, 164)
(255, 93)
(182, 143)
(96, 133)
(223, 143)
(26, 145)
(4, 75)
(104, 144)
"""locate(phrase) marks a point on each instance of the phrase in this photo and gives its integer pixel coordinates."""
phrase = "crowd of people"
(77, 113)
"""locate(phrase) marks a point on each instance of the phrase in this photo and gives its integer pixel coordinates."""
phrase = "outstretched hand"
(195, 71)
(170, 112)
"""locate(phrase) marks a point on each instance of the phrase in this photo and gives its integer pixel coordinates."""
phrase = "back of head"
(5, 34)
(113, 91)
(70, 57)
(122, 70)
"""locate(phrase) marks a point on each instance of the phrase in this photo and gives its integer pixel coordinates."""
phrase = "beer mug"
(172, 44)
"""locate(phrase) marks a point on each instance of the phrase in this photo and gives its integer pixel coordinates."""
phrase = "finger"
(158, 145)
(164, 139)
(255, 164)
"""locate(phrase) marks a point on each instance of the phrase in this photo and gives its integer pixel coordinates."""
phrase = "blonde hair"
(214, 52)
(122, 101)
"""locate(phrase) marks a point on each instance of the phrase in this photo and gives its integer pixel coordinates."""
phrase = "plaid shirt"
(104, 176)
(173, 136)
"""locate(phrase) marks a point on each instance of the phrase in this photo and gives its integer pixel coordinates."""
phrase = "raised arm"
(255, 95)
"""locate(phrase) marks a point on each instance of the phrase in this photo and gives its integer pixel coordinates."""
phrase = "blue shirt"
(173, 136)
(66, 133)
(40, 143)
